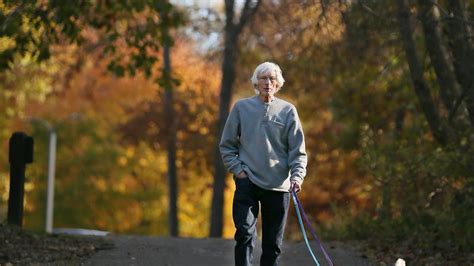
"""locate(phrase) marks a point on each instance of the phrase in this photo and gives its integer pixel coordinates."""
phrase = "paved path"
(135, 250)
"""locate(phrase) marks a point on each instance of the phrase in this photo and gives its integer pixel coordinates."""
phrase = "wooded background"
(138, 92)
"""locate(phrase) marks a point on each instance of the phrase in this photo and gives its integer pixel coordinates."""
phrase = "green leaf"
(115, 68)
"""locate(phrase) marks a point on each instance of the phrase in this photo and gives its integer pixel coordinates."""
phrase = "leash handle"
(299, 207)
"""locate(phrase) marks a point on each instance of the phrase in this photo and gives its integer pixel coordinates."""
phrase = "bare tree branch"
(420, 86)
(247, 12)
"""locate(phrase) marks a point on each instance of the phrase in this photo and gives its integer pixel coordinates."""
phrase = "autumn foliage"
(376, 161)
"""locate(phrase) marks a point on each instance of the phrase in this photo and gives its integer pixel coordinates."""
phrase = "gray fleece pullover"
(266, 141)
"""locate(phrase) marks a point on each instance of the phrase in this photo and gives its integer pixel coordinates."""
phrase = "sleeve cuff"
(237, 169)
(298, 179)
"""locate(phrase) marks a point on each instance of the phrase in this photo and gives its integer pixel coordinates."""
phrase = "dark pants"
(245, 209)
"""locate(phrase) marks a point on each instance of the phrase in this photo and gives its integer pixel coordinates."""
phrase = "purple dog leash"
(308, 224)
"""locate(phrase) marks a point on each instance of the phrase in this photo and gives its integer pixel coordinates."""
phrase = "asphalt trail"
(138, 250)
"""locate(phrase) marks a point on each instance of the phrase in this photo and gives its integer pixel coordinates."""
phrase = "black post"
(20, 153)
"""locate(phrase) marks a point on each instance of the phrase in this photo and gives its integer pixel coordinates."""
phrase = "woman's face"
(267, 84)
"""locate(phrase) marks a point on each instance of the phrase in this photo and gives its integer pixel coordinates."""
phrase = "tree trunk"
(460, 42)
(419, 84)
(167, 84)
(219, 168)
(438, 55)
(232, 32)
(171, 147)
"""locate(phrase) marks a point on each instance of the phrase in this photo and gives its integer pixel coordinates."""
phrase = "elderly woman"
(263, 146)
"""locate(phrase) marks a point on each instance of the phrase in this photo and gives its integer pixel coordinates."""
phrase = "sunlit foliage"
(111, 166)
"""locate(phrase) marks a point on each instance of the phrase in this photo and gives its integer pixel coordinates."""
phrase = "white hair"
(267, 68)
